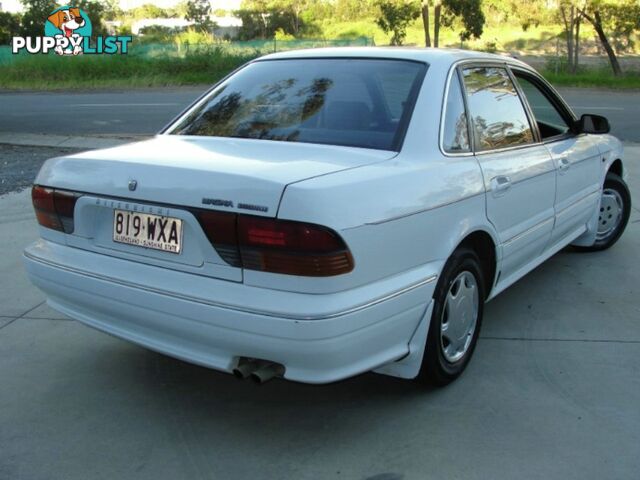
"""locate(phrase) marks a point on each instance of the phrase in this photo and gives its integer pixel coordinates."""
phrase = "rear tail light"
(244, 241)
(220, 228)
(54, 208)
(277, 246)
(293, 248)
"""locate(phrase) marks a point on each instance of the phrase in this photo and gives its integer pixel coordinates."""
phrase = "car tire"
(459, 297)
(615, 209)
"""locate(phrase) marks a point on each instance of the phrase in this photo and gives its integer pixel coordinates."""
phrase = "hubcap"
(459, 317)
(611, 208)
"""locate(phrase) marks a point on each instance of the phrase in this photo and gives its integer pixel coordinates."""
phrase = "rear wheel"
(455, 320)
(615, 208)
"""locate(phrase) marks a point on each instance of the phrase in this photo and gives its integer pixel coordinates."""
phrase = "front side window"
(353, 102)
(455, 132)
(498, 116)
(551, 122)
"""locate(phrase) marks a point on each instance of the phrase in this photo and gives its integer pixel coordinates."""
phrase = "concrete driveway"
(553, 392)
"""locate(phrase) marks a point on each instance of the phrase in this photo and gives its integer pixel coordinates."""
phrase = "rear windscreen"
(353, 102)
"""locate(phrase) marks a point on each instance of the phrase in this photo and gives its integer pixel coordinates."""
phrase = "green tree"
(9, 26)
(346, 10)
(262, 18)
(35, 15)
(112, 10)
(571, 21)
(624, 20)
(621, 17)
(395, 16)
(446, 12)
(96, 10)
(198, 11)
(179, 10)
(149, 10)
(530, 13)
(295, 9)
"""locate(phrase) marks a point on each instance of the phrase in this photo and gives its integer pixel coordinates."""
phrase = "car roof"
(432, 56)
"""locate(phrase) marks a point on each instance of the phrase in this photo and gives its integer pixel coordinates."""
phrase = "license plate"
(149, 231)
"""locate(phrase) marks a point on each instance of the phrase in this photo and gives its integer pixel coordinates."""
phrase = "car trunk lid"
(230, 174)
(170, 176)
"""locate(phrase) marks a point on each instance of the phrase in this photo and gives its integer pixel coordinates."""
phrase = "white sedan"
(323, 213)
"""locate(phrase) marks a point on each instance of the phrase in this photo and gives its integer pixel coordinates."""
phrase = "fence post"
(275, 46)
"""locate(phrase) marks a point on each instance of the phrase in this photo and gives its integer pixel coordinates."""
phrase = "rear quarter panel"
(395, 216)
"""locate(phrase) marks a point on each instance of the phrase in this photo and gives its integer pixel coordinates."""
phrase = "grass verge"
(50, 72)
(595, 79)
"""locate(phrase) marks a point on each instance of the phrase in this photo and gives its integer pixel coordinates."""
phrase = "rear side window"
(498, 116)
(455, 132)
(353, 102)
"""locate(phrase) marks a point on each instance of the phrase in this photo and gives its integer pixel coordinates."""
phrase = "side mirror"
(590, 123)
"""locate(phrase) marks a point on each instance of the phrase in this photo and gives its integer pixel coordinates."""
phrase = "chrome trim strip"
(584, 198)
(509, 149)
(556, 215)
(416, 212)
(158, 291)
(527, 231)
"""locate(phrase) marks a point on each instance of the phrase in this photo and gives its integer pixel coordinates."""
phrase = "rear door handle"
(563, 164)
(500, 185)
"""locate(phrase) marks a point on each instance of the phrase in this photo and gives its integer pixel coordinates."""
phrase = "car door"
(576, 157)
(519, 174)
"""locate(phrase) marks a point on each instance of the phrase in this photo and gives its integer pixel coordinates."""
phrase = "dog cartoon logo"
(69, 23)
(67, 32)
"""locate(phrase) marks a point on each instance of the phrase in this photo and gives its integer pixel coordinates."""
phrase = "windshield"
(354, 102)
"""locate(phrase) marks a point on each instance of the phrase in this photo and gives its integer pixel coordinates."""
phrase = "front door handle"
(500, 185)
(563, 164)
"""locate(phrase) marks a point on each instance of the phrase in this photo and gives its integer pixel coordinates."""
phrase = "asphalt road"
(147, 111)
(19, 165)
(143, 111)
(553, 391)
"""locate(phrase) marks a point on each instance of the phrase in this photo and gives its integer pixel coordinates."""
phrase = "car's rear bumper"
(318, 338)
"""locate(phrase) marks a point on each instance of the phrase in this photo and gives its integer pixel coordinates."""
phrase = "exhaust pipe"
(267, 372)
(243, 370)
(260, 371)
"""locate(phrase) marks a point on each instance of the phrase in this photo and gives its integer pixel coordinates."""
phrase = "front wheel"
(456, 319)
(615, 208)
